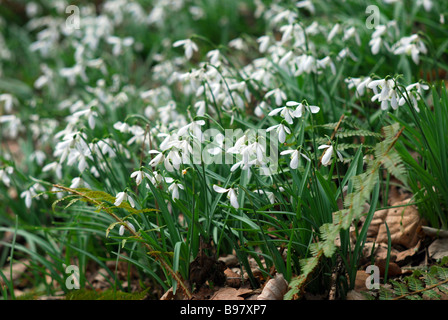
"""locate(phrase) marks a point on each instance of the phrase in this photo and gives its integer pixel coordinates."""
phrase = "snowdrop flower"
(7, 100)
(238, 145)
(155, 179)
(118, 43)
(200, 106)
(39, 156)
(376, 40)
(174, 188)
(264, 43)
(278, 94)
(281, 130)
(123, 196)
(414, 92)
(189, 47)
(285, 112)
(259, 110)
(161, 158)
(351, 32)
(307, 4)
(387, 94)
(76, 182)
(427, 4)
(14, 125)
(411, 46)
(139, 175)
(219, 142)
(237, 44)
(359, 83)
(213, 55)
(54, 166)
(326, 158)
(4, 175)
(193, 127)
(336, 28)
(231, 195)
(31, 193)
(294, 157)
(122, 228)
(90, 114)
(299, 108)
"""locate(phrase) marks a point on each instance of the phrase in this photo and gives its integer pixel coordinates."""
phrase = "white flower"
(123, 196)
(264, 42)
(281, 130)
(122, 228)
(31, 193)
(414, 92)
(193, 127)
(285, 112)
(155, 179)
(122, 127)
(77, 182)
(299, 108)
(8, 100)
(411, 46)
(174, 189)
(219, 142)
(118, 43)
(387, 95)
(90, 114)
(139, 175)
(294, 157)
(4, 175)
(278, 94)
(213, 55)
(231, 195)
(306, 4)
(189, 47)
(336, 28)
(326, 158)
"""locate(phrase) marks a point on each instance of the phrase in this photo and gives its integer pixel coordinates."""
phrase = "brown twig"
(421, 290)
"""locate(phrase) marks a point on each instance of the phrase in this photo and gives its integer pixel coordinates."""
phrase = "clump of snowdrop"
(388, 92)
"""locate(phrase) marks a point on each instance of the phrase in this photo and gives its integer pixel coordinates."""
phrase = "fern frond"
(357, 133)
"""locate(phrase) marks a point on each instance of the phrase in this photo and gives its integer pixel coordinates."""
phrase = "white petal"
(292, 103)
(305, 157)
(281, 134)
(219, 189)
(233, 199)
(314, 109)
(327, 156)
(339, 156)
(287, 152)
(294, 161)
(275, 111)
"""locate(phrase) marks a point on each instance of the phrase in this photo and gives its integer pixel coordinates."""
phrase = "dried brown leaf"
(274, 289)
